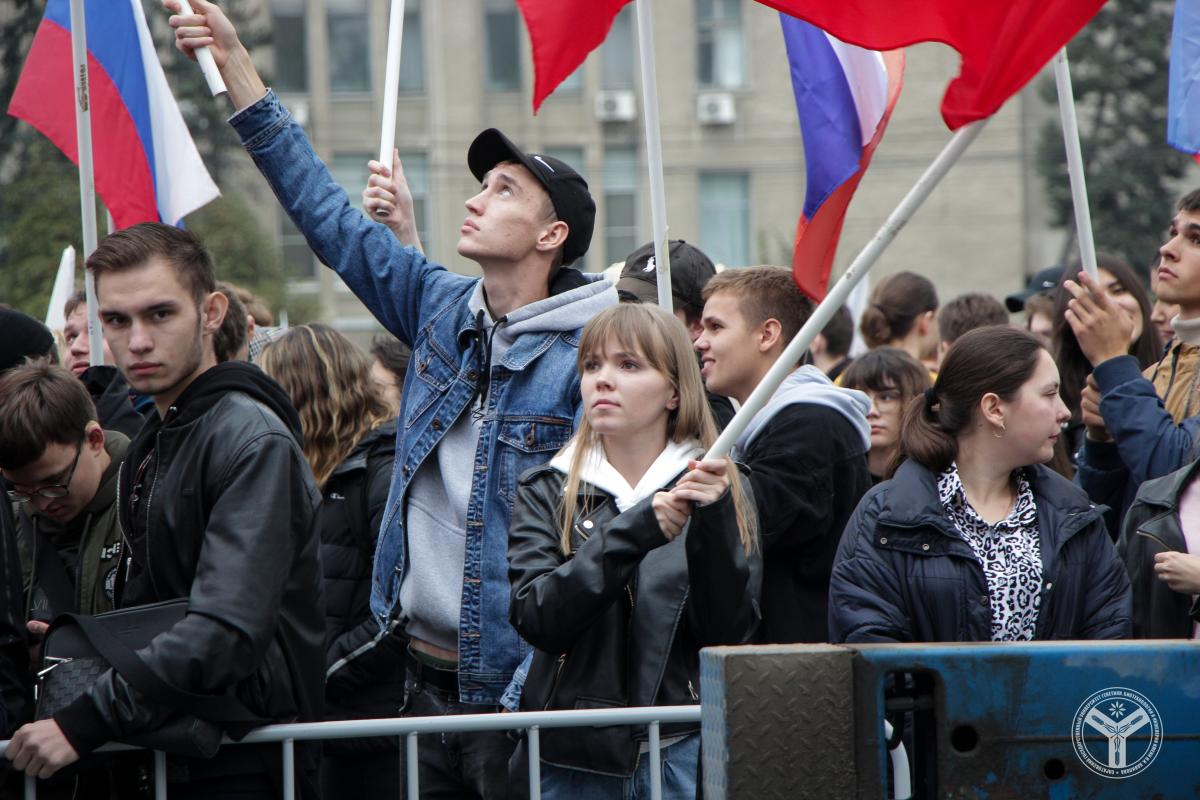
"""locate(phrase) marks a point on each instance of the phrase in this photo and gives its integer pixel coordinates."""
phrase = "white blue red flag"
(844, 96)
(1183, 94)
(147, 168)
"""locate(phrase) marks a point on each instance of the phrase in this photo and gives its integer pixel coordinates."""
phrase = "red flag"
(562, 33)
(1003, 43)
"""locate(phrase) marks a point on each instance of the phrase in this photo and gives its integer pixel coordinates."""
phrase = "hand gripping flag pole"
(824, 312)
(204, 57)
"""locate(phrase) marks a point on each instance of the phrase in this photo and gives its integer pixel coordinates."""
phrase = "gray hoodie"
(809, 385)
(436, 513)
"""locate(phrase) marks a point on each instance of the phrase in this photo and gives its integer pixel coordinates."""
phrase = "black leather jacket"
(1159, 612)
(217, 502)
(620, 622)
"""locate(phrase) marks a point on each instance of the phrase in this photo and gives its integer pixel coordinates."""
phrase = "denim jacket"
(532, 395)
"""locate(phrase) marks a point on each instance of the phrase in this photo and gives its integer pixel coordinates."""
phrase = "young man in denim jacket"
(492, 384)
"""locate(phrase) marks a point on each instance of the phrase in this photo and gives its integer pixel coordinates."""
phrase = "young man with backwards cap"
(492, 384)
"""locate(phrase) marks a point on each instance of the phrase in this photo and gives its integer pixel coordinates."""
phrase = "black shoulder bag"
(78, 649)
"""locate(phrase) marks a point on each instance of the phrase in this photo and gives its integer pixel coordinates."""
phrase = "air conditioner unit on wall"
(616, 106)
(716, 108)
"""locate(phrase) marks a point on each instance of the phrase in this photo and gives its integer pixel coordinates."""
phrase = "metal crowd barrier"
(407, 729)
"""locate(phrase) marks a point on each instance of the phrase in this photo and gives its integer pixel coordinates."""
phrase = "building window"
(617, 58)
(620, 203)
(573, 156)
(416, 172)
(725, 217)
(719, 44)
(349, 46)
(290, 45)
(412, 50)
(503, 52)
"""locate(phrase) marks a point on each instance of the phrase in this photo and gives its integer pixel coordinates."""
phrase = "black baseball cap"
(21, 337)
(573, 203)
(690, 271)
(1045, 281)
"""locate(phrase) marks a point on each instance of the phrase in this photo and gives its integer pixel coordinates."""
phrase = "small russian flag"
(844, 96)
(147, 168)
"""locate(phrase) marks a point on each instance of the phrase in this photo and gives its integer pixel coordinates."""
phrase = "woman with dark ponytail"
(903, 314)
(974, 539)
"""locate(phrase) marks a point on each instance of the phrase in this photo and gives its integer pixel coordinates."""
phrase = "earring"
(1003, 431)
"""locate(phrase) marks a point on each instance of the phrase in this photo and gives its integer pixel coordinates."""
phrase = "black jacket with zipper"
(364, 669)
(904, 574)
(1159, 612)
(217, 503)
(620, 622)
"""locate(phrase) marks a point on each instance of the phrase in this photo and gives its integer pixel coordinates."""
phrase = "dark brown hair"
(888, 368)
(968, 312)
(393, 354)
(764, 293)
(133, 247)
(996, 359)
(73, 302)
(1190, 202)
(231, 336)
(40, 404)
(839, 332)
(896, 302)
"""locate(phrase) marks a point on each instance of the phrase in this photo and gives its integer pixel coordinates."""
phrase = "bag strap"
(50, 574)
(125, 660)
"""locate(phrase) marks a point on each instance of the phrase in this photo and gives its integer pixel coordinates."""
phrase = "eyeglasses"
(53, 491)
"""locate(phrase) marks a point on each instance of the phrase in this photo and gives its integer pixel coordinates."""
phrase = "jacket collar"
(370, 440)
(1165, 491)
(912, 501)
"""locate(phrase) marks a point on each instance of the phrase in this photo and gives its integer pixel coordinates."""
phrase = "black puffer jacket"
(218, 502)
(364, 670)
(1158, 611)
(904, 574)
(621, 621)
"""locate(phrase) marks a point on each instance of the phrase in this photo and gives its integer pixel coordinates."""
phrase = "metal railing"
(407, 729)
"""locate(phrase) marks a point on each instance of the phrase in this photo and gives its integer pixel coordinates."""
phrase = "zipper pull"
(692, 691)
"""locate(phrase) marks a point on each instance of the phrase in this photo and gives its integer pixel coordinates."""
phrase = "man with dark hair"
(806, 449)
(217, 504)
(1140, 425)
(493, 385)
(966, 313)
(830, 348)
(61, 468)
(231, 341)
(118, 408)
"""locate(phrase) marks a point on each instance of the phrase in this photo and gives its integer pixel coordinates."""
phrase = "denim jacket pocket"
(434, 374)
(528, 442)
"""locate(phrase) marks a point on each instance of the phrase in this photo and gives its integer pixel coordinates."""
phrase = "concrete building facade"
(733, 156)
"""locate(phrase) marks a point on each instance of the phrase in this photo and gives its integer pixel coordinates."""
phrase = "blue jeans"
(679, 767)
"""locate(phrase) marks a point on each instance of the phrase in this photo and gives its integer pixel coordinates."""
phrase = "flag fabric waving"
(147, 168)
(1003, 43)
(1183, 95)
(844, 97)
(562, 33)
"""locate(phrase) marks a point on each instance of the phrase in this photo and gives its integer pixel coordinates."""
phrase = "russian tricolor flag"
(844, 96)
(147, 168)
(1183, 94)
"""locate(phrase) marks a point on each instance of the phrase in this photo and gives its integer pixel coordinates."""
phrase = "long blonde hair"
(662, 340)
(329, 381)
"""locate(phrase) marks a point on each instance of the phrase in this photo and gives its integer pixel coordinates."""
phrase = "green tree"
(1119, 72)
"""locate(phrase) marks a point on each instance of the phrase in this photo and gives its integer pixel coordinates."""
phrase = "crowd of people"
(507, 506)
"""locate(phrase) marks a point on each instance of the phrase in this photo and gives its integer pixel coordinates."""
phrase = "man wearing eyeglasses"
(61, 469)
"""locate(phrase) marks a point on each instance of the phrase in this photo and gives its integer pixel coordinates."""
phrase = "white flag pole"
(824, 312)
(658, 192)
(391, 83)
(87, 183)
(1079, 196)
(204, 57)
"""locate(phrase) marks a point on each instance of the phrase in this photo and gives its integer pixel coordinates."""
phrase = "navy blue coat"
(904, 574)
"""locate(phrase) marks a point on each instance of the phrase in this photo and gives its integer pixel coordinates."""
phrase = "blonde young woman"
(349, 439)
(627, 554)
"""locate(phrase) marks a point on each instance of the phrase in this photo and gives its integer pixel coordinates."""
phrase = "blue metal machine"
(1050, 720)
